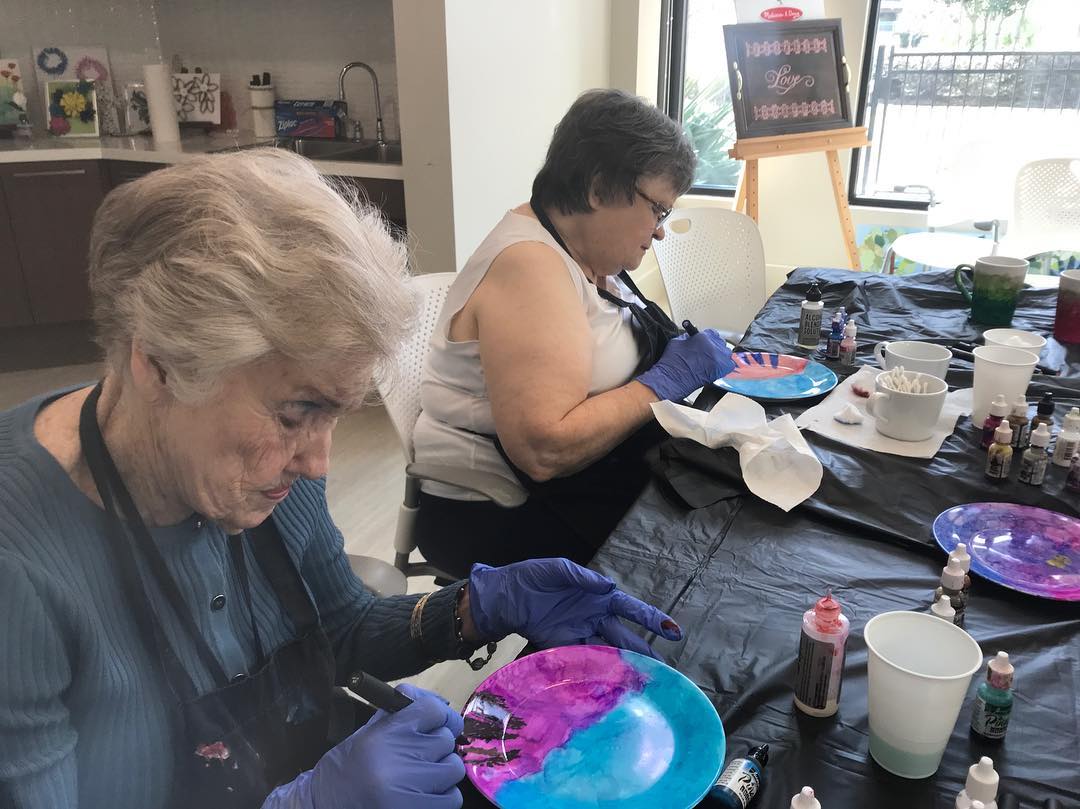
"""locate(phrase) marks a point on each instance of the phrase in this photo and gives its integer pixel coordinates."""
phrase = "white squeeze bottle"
(820, 665)
(805, 799)
(1068, 439)
(981, 786)
(810, 318)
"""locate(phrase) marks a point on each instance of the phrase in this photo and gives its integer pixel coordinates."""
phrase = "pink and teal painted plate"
(777, 377)
(591, 726)
(1024, 548)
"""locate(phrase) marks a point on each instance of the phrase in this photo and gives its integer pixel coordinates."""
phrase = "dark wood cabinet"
(14, 303)
(124, 171)
(388, 195)
(51, 207)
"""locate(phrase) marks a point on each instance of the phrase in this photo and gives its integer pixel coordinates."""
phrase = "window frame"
(860, 120)
(673, 25)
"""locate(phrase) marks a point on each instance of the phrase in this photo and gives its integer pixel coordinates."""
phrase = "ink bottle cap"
(827, 612)
(999, 407)
(813, 294)
(1072, 419)
(978, 805)
(1003, 433)
(1041, 437)
(1020, 406)
(999, 672)
(760, 754)
(960, 557)
(851, 329)
(982, 780)
(1046, 405)
(952, 577)
(805, 799)
(943, 608)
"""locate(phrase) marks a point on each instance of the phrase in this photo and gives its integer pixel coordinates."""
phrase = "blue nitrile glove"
(395, 761)
(554, 602)
(688, 363)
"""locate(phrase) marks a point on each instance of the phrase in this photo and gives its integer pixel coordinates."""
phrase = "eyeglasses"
(658, 210)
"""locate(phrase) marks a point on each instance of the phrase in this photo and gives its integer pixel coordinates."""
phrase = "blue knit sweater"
(83, 711)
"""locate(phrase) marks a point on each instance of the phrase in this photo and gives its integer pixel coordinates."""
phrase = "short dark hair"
(606, 142)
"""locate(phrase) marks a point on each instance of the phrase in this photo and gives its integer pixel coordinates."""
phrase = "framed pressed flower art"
(72, 108)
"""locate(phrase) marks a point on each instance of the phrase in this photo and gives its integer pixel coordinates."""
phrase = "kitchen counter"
(142, 149)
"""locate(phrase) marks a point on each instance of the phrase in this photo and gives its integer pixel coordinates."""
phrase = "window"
(957, 95)
(694, 87)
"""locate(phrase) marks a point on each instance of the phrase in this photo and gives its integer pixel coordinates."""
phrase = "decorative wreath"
(44, 61)
(90, 69)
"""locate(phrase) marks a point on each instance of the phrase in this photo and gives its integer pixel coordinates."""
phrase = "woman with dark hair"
(546, 357)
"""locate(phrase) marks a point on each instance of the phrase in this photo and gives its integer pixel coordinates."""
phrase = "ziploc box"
(307, 119)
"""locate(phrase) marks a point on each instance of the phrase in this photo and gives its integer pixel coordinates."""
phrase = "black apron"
(259, 730)
(589, 503)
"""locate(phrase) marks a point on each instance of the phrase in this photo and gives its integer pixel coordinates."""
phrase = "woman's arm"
(37, 741)
(537, 353)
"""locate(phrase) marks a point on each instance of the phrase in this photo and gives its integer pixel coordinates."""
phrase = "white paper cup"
(1014, 338)
(999, 369)
(907, 416)
(926, 358)
(918, 672)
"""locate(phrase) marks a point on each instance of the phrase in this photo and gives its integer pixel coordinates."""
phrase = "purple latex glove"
(395, 761)
(687, 363)
(554, 602)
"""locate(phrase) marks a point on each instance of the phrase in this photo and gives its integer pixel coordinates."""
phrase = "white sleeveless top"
(456, 417)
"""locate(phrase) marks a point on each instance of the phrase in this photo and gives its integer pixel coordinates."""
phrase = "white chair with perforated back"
(713, 266)
(400, 392)
(1046, 209)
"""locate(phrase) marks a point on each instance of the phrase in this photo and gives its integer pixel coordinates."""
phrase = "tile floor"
(364, 490)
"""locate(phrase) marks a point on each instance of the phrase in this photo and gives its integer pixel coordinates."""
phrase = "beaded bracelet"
(475, 663)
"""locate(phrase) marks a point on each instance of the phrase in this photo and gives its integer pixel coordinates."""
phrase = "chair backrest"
(1046, 206)
(713, 266)
(400, 390)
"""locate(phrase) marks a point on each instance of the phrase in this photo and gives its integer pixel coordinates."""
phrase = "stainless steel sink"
(352, 151)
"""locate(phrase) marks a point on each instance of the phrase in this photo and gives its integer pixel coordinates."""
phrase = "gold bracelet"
(415, 627)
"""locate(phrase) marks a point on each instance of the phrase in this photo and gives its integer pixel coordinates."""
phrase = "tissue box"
(307, 119)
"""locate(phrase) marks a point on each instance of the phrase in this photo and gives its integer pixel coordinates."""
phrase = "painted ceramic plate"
(591, 726)
(1020, 547)
(761, 375)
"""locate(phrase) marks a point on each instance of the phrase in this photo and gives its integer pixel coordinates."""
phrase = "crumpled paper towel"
(777, 463)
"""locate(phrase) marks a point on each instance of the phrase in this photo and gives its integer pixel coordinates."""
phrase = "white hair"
(218, 262)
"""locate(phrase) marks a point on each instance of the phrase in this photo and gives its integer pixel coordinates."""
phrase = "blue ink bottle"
(740, 780)
(994, 700)
(836, 334)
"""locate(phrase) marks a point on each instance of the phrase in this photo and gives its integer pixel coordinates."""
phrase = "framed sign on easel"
(790, 96)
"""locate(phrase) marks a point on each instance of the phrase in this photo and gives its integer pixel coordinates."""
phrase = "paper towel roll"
(159, 99)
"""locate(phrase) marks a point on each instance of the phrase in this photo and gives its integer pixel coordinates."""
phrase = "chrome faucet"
(358, 130)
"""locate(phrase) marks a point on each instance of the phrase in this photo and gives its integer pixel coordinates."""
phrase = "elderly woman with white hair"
(177, 604)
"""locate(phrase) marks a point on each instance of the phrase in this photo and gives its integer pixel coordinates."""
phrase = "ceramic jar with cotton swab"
(906, 405)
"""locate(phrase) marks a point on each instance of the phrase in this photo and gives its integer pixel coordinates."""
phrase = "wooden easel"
(827, 141)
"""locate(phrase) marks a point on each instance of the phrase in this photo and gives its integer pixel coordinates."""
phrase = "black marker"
(377, 693)
(689, 328)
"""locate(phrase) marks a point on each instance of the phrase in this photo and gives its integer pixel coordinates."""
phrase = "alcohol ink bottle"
(960, 557)
(952, 585)
(999, 456)
(836, 334)
(999, 408)
(810, 318)
(848, 344)
(1044, 413)
(741, 779)
(1068, 440)
(943, 608)
(981, 785)
(994, 700)
(1036, 458)
(1072, 481)
(819, 668)
(805, 799)
(1018, 421)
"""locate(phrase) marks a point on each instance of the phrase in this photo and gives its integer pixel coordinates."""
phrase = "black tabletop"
(737, 573)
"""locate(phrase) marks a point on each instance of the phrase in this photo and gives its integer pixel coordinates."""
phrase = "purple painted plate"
(591, 726)
(1020, 547)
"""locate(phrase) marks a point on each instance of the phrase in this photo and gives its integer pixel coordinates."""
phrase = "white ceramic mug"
(907, 416)
(924, 358)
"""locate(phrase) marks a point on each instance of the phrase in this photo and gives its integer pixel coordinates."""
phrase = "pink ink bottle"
(820, 666)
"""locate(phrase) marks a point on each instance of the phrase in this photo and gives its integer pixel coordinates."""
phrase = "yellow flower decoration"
(73, 103)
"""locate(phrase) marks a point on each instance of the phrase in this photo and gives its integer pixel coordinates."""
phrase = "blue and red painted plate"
(777, 377)
(585, 727)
